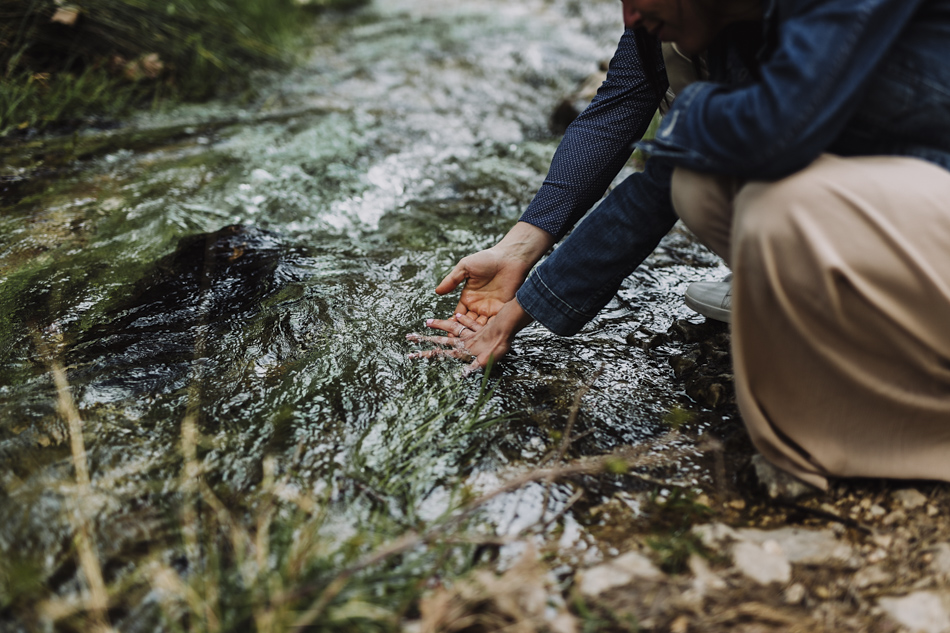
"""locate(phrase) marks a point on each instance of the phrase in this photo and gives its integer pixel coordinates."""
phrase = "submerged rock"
(706, 368)
(182, 311)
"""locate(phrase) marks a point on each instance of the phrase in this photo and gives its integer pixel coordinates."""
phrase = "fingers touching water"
(490, 278)
(457, 330)
(468, 340)
(488, 315)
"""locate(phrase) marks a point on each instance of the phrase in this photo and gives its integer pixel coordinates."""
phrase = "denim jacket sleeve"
(599, 141)
(811, 83)
(584, 273)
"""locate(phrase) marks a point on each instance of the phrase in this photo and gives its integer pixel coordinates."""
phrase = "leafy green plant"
(671, 521)
(37, 101)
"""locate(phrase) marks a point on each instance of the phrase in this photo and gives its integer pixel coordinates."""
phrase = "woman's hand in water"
(492, 277)
(488, 316)
(469, 340)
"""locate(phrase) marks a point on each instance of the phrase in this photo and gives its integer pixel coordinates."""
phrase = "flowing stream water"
(258, 268)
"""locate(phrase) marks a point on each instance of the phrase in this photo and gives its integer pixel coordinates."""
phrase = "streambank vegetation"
(64, 64)
(281, 559)
(719, 558)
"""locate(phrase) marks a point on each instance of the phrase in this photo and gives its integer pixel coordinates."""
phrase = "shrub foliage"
(62, 63)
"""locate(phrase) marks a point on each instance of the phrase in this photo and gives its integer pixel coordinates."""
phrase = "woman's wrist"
(526, 243)
(513, 318)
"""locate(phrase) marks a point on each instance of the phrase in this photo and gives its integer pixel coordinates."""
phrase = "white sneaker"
(712, 299)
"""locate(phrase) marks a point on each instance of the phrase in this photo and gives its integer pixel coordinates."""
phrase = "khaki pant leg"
(704, 203)
(841, 318)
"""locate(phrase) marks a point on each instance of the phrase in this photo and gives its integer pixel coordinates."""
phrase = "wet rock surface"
(705, 367)
(190, 301)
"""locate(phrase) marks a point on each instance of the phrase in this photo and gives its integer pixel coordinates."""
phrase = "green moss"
(21, 580)
(677, 417)
(35, 100)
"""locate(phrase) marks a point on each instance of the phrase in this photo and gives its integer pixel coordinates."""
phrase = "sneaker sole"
(708, 311)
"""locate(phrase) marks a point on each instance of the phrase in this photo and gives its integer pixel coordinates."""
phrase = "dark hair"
(744, 37)
(648, 48)
(740, 9)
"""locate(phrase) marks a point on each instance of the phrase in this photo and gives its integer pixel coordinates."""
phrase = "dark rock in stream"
(209, 287)
(706, 369)
(705, 365)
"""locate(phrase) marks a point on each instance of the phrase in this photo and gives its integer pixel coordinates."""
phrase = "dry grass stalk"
(98, 599)
(566, 441)
(404, 543)
(191, 474)
(629, 457)
(517, 601)
(271, 610)
(266, 617)
(575, 410)
(171, 588)
(246, 548)
(251, 551)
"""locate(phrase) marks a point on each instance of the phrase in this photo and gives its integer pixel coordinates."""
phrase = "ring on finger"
(462, 328)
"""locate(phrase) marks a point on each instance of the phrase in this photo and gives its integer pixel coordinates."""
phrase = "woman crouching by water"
(816, 163)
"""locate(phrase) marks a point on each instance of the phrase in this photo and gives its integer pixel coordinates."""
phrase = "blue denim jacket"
(850, 77)
(853, 77)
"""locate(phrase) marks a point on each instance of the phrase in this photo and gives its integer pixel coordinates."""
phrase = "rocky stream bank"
(738, 554)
